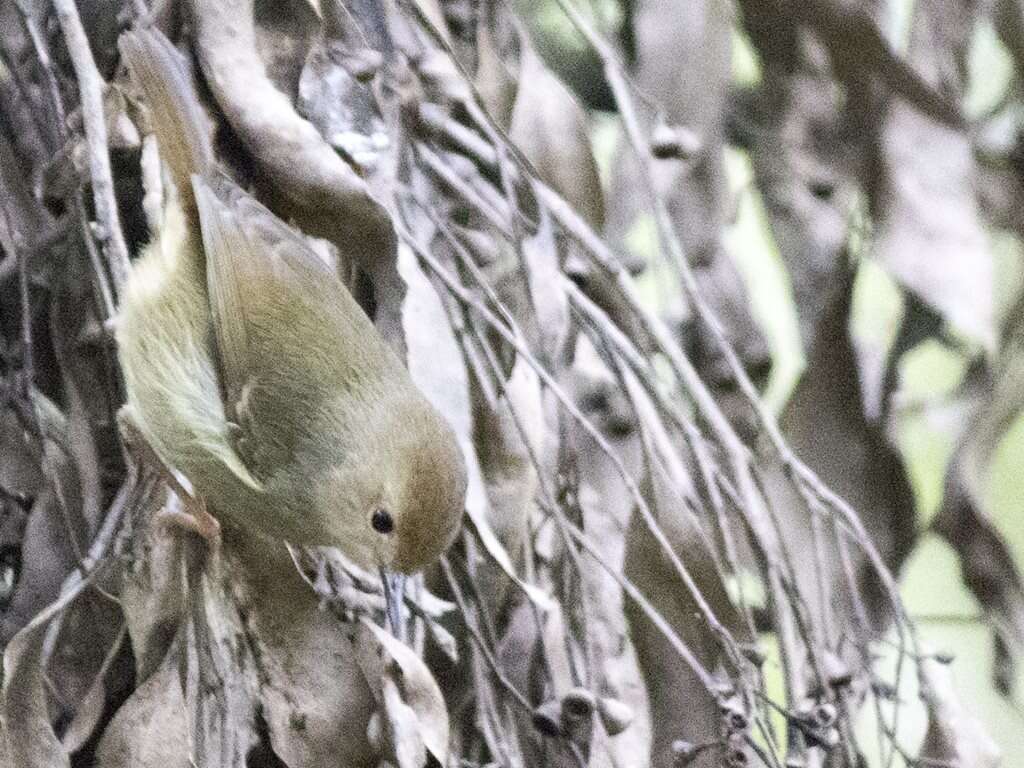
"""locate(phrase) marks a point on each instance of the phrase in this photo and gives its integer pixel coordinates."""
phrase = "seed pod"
(753, 653)
(734, 714)
(547, 718)
(736, 754)
(616, 716)
(683, 753)
(673, 142)
(837, 671)
(824, 738)
(577, 705)
(824, 715)
(577, 715)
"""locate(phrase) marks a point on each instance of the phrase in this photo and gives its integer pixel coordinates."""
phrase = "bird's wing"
(291, 341)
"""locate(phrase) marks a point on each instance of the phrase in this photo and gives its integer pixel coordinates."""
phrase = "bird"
(250, 369)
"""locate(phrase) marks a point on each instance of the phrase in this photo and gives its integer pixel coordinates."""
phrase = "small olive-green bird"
(251, 369)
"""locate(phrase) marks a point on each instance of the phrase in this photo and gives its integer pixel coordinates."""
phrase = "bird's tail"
(177, 117)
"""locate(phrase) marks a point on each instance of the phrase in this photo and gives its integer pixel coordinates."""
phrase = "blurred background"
(927, 415)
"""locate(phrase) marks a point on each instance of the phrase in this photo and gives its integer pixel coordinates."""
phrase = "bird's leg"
(195, 518)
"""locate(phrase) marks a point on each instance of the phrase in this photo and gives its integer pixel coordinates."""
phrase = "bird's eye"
(382, 521)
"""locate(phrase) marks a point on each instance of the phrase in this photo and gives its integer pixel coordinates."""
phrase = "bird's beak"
(394, 590)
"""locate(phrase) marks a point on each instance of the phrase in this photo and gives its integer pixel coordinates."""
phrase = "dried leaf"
(684, 66)
(552, 639)
(219, 675)
(404, 746)
(505, 459)
(606, 506)
(31, 740)
(860, 51)
(550, 127)
(431, 9)
(955, 737)
(825, 424)
(293, 646)
(987, 564)
(30, 737)
(509, 476)
(150, 729)
(929, 233)
(672, 685)
(793, 130)
(153, 592)
(47, 552)
(19, 473)
(320, 186)
(90, 709)
(930, 236)
(403, 685)
(437, 368)
(549, 306)
(341, 106)
(496, 85)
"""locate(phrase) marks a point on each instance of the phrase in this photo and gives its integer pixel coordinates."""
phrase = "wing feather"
(290, 340)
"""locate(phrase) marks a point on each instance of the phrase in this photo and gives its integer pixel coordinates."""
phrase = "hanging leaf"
(965, 521)
(793, 129)
(550, 128)
(31, 741)
(827, 428)
(403, 686)
(928, 230)
(683, 66)
(150, 729)
(430, 339)
(955, 735)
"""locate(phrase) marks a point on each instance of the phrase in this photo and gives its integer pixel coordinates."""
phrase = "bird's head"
(393, 497)
(418, 511)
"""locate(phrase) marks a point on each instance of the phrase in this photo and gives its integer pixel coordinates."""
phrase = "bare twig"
(91, 87)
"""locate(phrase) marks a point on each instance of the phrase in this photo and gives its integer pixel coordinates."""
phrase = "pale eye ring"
(382, 521)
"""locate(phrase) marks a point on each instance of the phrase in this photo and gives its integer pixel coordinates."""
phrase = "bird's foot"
(195, 519)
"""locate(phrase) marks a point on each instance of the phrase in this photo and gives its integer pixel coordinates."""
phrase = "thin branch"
(91, 87)
(688, 656)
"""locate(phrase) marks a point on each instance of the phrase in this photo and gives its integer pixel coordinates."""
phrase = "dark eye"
(382, 521)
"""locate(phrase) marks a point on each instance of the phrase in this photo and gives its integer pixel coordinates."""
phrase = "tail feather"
(178, 119)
